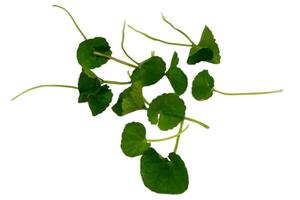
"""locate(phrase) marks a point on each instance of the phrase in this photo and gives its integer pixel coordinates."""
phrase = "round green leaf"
(130, 100)
(86, 86)
(164, 175)
(168, 110)
(177, 77)
(207, 49)
(100, 100)
(134, 141)
(203, 86)
(150, 71)
(86, 49)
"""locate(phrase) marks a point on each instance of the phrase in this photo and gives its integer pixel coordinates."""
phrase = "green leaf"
(150, 71)
(99, 101)
(130, 100)
(86, 49)
(91, 91)
(164, 175)
(168, 110)
(207, 49)
(203, 86)
(176, 76)
(134, 141)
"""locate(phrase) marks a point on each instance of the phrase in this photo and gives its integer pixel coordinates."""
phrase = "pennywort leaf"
(166, 110)
(90, 90)
(206, 50)
(203, 86)
(150, 71)
(164, 175)
(176, 76)
(134, 141)
(130, 100)
(85, 52)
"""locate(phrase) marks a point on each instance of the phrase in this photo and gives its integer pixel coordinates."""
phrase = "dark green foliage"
(203, 86)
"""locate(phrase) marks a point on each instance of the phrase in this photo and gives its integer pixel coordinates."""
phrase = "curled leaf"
(164, 175)
(134, 141)
(166, 110)
(86, 49)
(203, 86)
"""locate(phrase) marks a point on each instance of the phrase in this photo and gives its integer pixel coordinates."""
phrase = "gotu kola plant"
(167, 111)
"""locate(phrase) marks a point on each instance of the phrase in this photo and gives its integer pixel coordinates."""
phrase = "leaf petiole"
(158, 40)
(115, 59)
(73, 20)
(177, 29)
(115, 82)
(247, 93)
(178, 137)
(169, 138)
(197, 122)
(122, 44)
(41, 86)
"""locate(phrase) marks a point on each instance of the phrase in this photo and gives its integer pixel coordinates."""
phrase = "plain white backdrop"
(52, 148)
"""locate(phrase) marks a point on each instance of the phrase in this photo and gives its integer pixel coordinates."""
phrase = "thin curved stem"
(247, 93)
(178, 137)
(115, 82)
(115, 59)
(146, 102)
(168, 138)
(197, 122)
(177, 29)
(40, 86)
(159, 40)
(122, 44)
(72, 18)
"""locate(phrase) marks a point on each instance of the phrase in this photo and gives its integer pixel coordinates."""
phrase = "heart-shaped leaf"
(176, 76)
(164, 175)
(203, 86)
(150, 71)
(130, 100)
(168, 110)
(207, 49)
(85, 52)
(134, 141)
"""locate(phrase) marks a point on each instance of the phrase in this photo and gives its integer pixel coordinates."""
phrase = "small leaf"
(176, 76)
(130, 100)
(91, 91)
(203, 86)
(164, 175)
(134, 141)
(207, 49)
(86, 49)
(150, 71)
(99, 101)
(168, 110)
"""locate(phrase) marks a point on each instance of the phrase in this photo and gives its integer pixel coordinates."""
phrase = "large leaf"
(150, 71)
(207, 49)
(176, 76)
(86, 49)
(203, 86)
(130, 100)
(164, 175)
(90, 90)
(134, 141)
(168, 110)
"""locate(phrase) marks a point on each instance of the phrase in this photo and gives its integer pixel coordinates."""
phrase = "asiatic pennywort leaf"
(203, 86)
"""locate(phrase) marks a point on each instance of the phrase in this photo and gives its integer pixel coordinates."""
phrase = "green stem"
(178, 137)
(115, 59)
(177, 29)
(115, 82)
(72, 18)
(146, 102)
(40, 86)
(122, 44)
(168, 138)
(158, 40)
(197, 122)
(247, 93)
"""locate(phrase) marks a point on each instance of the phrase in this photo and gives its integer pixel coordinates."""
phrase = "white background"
(52, 148)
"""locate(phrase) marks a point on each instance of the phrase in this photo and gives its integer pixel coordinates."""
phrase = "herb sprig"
(167, 111)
